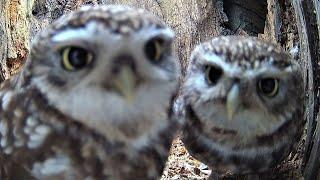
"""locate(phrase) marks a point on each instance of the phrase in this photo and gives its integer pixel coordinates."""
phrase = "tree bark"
(15, 21)
(311, 161)
(294, 24)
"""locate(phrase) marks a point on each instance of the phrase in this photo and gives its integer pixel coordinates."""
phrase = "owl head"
(105, 65)
(243, 85)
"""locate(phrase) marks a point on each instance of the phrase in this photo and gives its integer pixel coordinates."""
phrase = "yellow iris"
(74, 58)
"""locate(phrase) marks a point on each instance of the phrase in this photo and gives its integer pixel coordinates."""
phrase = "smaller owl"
(243, 102)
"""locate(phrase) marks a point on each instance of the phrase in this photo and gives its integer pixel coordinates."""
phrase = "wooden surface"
(14, 35)
(311, 162)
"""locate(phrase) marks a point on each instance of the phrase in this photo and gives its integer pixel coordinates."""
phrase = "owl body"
(83, 107)
(243, 105)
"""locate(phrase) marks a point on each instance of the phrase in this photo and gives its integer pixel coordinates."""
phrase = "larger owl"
(243, 102)
(93, 100)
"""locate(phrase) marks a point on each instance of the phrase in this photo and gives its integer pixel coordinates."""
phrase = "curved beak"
(125, 83)
(233, 101)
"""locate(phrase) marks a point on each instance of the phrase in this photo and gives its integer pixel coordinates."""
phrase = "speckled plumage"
(59, 124)
(262, 129)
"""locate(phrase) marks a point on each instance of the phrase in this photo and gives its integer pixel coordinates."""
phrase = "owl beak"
(233, 101)
(124, 83)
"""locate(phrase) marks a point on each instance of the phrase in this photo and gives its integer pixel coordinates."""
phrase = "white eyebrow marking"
(69, 34)
(90, 31)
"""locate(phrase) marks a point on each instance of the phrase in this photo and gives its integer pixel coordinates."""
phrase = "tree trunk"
(14, 35)
(294, 24)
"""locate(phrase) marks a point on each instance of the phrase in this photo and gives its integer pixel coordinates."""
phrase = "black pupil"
(213, 74)
(78, 57)
(151, 49)
(267, 85)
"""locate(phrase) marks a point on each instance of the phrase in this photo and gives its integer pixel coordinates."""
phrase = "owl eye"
(154, 50)
(74, 58)
(269, 86)
(213, 74)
